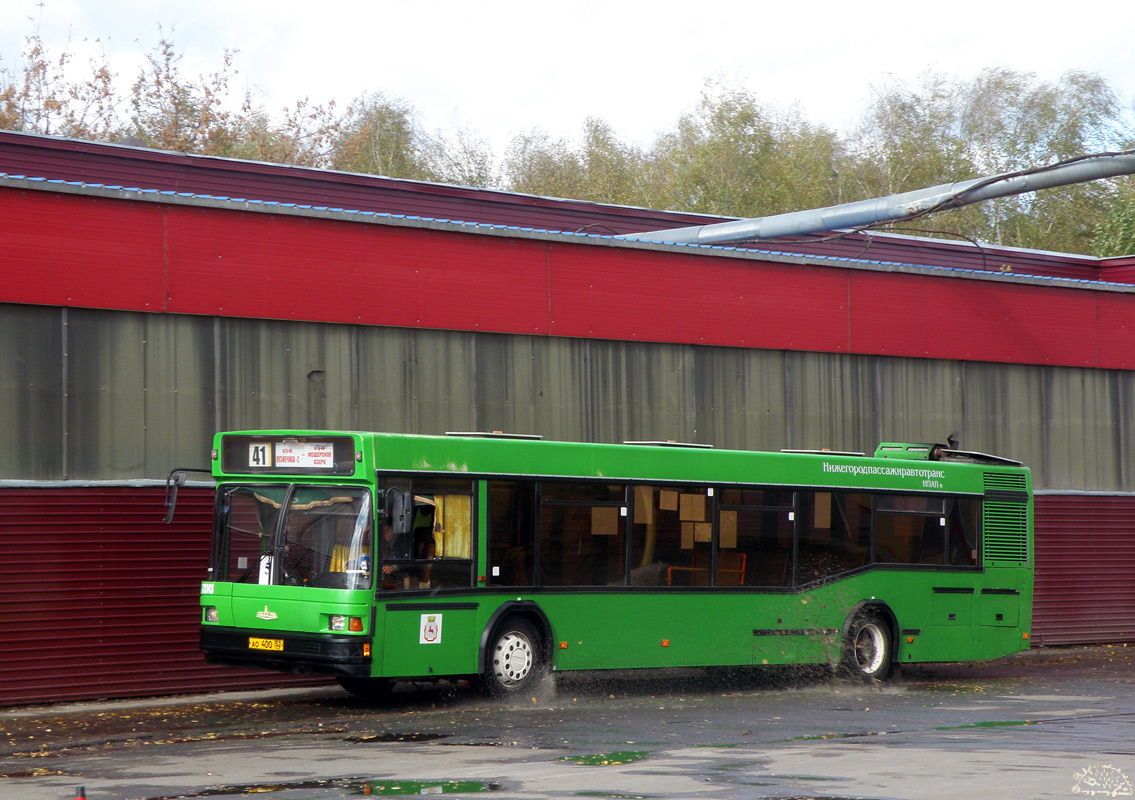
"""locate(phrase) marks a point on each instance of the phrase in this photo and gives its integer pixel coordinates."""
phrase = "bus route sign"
(282, 454)
(305, 455)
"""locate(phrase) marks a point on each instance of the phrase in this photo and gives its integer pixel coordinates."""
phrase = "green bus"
(378, 557)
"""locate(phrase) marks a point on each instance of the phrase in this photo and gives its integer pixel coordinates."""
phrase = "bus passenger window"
(671, 536)
(835, 535)
(910, 529)
(764, 538)
(512, 513)
(582, 541)
(437, 551)
(756, 525)
(963, 531)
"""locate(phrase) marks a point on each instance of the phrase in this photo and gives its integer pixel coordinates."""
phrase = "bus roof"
(362, 455)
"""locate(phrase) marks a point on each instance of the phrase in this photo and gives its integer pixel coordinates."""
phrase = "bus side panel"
(942, 615)
(938, 616)
(681, 630)
(428, 640)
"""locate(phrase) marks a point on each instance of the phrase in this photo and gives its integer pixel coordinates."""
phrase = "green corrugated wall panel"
(641, 391)
(1000, 406)
(180, 379)
(129, 395)
(386, 391)
(920, 400)
(440, 377)
(284, 374)
(106, 395)
(532, 385)
(139, 393)
(740, 397)
(832, 401)
(1086, 425)
(415, 381)
(31, 392)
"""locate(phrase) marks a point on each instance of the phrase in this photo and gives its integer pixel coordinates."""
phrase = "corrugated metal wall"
(98, 597)
(116, 396)
(1085, 569)
(104, 395)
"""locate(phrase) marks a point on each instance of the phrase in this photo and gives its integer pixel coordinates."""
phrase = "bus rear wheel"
(515, 661)
(868, 648)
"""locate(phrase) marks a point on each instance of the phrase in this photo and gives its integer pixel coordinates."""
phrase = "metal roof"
(95, 165)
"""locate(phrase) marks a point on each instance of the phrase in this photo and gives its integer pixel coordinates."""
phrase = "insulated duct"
(899, 206)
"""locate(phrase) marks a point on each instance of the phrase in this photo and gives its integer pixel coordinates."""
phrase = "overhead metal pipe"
(900, 206)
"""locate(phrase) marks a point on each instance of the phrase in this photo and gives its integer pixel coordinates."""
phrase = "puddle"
(383, 738)
(223, 791)
(1005, 724)
(820, 737)
(346, 787)
(807, 778)
(39, 772)
(609, 759)
(396, 788)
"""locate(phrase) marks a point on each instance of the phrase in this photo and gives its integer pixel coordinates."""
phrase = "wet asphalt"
(1055, 722)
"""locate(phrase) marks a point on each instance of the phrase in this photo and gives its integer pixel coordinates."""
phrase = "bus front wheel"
(868, 648)
(515, 661)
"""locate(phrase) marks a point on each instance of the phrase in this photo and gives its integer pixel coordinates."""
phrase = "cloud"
(508, 67)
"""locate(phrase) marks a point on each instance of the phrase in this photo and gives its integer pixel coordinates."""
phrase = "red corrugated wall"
(1085, 569)
(186, 260)
(99, 598)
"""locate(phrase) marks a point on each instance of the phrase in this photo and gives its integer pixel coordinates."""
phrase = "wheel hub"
(870, 649)
(513, 659)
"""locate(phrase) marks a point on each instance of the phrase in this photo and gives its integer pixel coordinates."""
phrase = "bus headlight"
(341, 622)
(211, 614)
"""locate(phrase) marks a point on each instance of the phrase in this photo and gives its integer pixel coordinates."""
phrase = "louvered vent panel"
(1005, 481)
(1006, 532)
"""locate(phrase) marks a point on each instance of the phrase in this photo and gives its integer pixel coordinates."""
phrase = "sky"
(505, 67)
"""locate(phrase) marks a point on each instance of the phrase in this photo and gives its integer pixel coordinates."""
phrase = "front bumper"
(301, 653)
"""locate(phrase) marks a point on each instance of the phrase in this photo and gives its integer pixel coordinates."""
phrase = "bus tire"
(373, 690)
(868, 648)
(515, 662)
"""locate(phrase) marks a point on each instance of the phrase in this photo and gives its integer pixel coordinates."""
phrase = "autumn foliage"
(729, 155)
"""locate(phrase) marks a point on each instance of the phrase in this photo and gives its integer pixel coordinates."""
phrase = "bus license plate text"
(265, 644)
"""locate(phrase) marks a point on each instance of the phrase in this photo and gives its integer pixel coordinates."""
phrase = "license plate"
(265, 644)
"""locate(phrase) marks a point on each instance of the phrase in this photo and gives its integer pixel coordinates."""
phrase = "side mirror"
(174, 481)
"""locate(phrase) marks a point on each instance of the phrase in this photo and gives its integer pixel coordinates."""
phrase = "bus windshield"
(294, 535)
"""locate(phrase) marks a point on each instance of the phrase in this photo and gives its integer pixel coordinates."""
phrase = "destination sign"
(333, 455)
(305, 455)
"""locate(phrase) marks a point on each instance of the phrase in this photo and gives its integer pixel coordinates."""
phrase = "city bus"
(382, 557)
